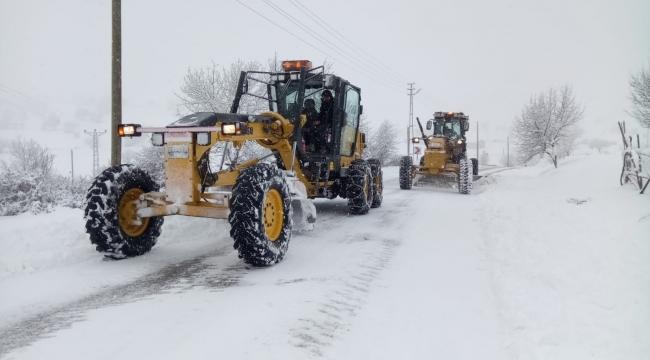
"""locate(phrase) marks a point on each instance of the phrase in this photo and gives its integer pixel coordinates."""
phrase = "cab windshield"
(285, 98)
(447, 128)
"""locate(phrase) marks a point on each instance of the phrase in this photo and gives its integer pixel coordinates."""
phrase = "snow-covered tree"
(152, 160)
(547, 125)
(382, 143)
(30, 157)
(212, 88)
(599, 144)
(25, 182)
(640, 96)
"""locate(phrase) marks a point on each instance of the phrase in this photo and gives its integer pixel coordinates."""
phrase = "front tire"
(406, 172)
(260, 215)
(464, 177)
(359, 187)
(110, 212)
(377, 182)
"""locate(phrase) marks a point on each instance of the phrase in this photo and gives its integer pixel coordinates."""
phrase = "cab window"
(350, 120)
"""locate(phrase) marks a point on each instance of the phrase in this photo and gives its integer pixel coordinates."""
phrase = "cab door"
(350, 120)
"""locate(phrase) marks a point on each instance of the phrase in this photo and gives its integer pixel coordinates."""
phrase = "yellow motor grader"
(262, 198)
(445, 154)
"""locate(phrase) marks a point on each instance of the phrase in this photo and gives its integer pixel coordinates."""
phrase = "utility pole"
(409, 131)
(116, 83)
(95, 134)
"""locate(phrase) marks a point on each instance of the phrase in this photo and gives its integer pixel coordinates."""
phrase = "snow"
(538, 263)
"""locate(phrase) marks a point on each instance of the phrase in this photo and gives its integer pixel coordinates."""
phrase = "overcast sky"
(485, 58)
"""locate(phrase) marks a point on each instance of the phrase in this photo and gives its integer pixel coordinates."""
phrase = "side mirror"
(360, 109)
(244, 87)
(429, 124)
(363, 138)
(415, 140)
(465, 125)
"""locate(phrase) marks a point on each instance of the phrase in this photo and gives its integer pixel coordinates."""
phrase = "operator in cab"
(310, 130)
(326, 116)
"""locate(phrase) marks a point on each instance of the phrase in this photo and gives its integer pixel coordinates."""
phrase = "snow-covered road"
(537, 264)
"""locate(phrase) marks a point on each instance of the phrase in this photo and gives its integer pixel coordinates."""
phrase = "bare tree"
(547, 124)
(30, 157)
(213, 87)
(640, 96)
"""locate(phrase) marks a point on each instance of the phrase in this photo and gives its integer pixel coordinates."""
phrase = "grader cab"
(445, 154)
(262, 197)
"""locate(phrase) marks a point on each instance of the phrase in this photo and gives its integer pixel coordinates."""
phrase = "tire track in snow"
(333, 316)
(200, 271)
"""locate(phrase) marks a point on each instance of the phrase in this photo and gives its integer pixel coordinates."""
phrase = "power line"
(320, 38)
(372, 78)
(354, 47)
(22, 96)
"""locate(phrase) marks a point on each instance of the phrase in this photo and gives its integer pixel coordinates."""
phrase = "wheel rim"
(128, 214)
(273, 214)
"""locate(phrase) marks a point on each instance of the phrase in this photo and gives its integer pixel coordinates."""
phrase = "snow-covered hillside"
(538, 263)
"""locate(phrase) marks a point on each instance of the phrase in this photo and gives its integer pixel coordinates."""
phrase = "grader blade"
(303, 209)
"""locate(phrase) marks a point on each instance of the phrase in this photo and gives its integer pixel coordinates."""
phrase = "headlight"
(228, 129)
(158, 139)
(416, 140)
(128, 130)
(460, 141)
(203, 138)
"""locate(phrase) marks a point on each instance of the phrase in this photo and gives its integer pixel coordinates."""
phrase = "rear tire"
(464, 177)
(474, 166)
(406, 173)
(260, 215)
(108, 211)
(377, 182)
(359, 189)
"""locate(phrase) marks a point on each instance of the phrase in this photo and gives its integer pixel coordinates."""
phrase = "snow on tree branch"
(212, 89)
(382, 143)
(640, 97)
(547, 124)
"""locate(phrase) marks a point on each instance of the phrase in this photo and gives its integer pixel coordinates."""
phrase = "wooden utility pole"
(116, 84)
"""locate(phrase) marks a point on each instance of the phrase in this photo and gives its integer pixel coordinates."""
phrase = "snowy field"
(538, 263)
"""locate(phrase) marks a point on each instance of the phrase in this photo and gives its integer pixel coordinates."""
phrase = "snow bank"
(568, 254)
